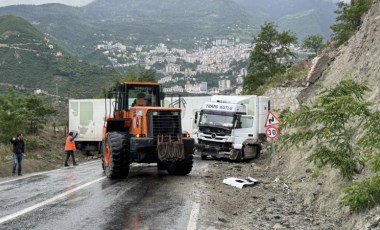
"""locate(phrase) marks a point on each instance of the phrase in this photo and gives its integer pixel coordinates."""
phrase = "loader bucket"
(170, 151)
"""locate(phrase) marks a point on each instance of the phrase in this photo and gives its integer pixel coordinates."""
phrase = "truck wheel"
(240, 155)
(256, 149)
(181, 168)
(116, 155)
(161, 165)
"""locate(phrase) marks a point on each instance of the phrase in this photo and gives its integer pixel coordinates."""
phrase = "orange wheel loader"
(140, 129)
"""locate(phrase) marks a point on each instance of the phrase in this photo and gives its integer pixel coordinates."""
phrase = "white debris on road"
(240, 183)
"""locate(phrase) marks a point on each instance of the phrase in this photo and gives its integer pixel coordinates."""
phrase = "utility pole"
(56, 92)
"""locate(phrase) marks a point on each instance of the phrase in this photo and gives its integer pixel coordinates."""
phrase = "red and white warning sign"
(272, 120)
(272, 132)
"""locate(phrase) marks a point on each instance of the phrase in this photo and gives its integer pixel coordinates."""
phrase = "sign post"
(272, 131)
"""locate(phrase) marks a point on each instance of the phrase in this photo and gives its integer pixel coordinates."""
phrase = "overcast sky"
(38, 2)
(66, 2)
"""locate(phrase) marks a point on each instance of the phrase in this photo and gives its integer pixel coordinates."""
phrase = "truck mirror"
(110, 92)
(196, 117)
(109, 95)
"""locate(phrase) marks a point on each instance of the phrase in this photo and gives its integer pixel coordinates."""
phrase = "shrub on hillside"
(348, 20)
(346, 134)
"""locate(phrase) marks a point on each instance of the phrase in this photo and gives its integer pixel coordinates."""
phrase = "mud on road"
(269, 204)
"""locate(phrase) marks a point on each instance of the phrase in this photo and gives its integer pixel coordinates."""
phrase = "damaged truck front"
(232, 127)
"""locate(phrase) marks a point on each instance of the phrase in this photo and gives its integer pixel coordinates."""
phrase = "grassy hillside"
(79, 29)
(27, 58)
(300, 16)
(64, 24)
(174, 19)
(176, 22)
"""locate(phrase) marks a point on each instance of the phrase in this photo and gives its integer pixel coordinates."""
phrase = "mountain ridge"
(28, 58)
(177, 23)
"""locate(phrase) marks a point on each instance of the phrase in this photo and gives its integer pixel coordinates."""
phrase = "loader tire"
(102, 155)
(116, 155)
(162, 165)
(181, 168)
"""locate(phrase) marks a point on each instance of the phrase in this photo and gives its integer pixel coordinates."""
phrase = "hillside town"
(215, 59)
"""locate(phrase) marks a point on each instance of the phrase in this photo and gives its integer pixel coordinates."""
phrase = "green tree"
(313, 42)
(159, 65)
(348, 20)
(270, 47)
(187, 65)
(345, 133)
(140, 75)
(366, 194)
(37, 110)
(13, 117)
(332, 125)
(17, 112)
(147, 75)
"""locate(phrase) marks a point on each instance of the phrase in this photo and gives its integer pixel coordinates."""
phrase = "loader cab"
(128, 94)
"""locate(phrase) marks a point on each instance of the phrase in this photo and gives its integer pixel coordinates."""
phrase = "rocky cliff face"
(358, 59)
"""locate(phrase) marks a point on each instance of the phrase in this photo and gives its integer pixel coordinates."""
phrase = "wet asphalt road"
(82, 198)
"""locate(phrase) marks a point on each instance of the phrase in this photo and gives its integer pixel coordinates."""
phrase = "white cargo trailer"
(86, 116)
(189, 106)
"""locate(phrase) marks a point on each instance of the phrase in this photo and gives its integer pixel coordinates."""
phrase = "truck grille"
(216, 130)
(166, 123)
(222, 145)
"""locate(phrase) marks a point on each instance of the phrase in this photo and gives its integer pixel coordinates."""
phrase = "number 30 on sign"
(272, 132)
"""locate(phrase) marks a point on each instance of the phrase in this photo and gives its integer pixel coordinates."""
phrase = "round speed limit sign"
(272, 132)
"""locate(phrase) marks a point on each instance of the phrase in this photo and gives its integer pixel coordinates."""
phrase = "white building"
(224, 84)
(203, 87)
(172, 68)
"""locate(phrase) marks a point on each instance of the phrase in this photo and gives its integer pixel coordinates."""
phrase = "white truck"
(232, 127)
(86, 116)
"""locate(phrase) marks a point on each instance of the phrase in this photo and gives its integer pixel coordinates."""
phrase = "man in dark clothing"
(18, 151)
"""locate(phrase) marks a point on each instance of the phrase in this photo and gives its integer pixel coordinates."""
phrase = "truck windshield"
(216, 120)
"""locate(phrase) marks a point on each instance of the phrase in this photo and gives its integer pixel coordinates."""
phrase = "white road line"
(31, 208)
(40, 173)
(30, 175)
(192, 225)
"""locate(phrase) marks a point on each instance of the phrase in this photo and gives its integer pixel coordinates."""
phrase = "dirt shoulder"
(272, 203)
(288, 195)
(48, 155)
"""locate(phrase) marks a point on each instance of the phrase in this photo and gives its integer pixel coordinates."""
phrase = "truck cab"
(232, 127)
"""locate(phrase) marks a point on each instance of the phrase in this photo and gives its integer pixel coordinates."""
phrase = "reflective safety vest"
(69, 145)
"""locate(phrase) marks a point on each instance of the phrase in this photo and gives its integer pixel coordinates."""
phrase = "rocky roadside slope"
(277, 201)
(290, 194)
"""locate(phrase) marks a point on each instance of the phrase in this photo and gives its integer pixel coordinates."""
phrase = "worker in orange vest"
(70, 147)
